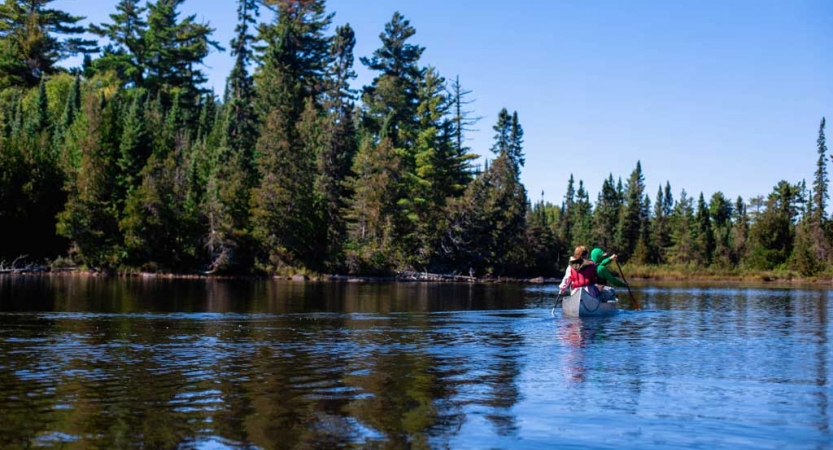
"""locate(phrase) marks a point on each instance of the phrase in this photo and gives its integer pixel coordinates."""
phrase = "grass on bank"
(682, 272)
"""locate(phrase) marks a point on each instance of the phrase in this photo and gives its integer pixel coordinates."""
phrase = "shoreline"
(413, 277)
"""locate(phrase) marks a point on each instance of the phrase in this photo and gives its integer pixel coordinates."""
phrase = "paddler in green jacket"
(604, 275)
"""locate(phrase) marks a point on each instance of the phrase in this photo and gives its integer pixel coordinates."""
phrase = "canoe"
(581, 303)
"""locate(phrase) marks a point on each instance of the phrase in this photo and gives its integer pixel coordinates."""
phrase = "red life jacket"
(585, 276)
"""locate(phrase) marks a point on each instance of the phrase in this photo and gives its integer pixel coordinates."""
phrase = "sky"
(707, 95)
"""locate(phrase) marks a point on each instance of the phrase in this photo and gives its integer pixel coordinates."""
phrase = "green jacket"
(605, 276)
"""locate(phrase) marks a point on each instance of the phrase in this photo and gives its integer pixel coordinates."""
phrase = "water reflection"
(98, 363)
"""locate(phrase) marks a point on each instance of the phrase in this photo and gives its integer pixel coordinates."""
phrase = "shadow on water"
(102, 363)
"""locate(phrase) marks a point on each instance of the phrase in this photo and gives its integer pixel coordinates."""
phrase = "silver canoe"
(581, 304)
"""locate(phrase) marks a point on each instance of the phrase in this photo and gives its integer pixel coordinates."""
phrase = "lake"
(90, 362)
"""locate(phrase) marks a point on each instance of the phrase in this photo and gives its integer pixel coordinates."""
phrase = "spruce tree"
(460, 170)
(427, 186)
(90, 217)
(740, 231)
(606, 216)
(820, 182)
(703, 235)
(334, 162)
(632, 217)
(720, 211)
(232, 174)
(582, 216)
(683, 249)
(290, 82)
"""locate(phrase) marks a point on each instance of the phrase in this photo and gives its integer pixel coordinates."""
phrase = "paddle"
(633, 299)
(558, 299)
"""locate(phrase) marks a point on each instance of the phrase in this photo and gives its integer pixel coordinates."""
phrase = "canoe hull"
(581, 304)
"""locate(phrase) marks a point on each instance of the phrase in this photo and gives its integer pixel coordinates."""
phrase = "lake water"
(115, 363)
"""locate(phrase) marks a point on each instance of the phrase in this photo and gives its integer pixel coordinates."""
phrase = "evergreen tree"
(134, 148)
(582, 217)
(34, 38)
(818, 224)
(391, 100)
(541, 243)
(232, 174)
(460, 170)
(90, 217)
(606, 217)
(720, 211)
(683, 249)
(489, 224)
(376, 187)
(177, 48)
(289, 85)
(643, 252)
(660, 229)
(427, 186)
(334, 162)
(740, 231)
(820, 182)
(161, 223)
(772, 234)
(127, 54)
(703, 236)
(509, 137)
(567, 222)
(632, 216)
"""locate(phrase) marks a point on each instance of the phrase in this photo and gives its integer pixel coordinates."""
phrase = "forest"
(128, 163)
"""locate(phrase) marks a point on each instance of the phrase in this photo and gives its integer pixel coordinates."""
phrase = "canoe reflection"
(578, 334)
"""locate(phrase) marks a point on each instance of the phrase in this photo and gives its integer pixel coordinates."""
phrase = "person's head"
(597, 255)
(580, 253)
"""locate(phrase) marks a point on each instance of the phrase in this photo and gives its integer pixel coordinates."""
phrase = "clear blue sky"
(715, 95)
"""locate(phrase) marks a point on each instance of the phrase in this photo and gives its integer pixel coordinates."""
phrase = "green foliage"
(633, 215)
(376, 186)
(131, 163)
(90, 217)
(391, 100)
(33, 39)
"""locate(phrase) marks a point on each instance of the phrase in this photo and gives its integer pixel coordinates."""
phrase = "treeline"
(129, 163)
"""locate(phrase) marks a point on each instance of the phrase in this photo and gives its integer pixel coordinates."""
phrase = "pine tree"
(34, 38)
(178, 47)
(391, 100)
(127, 54)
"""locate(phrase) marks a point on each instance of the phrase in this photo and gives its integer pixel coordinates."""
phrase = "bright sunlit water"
(115, 363)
